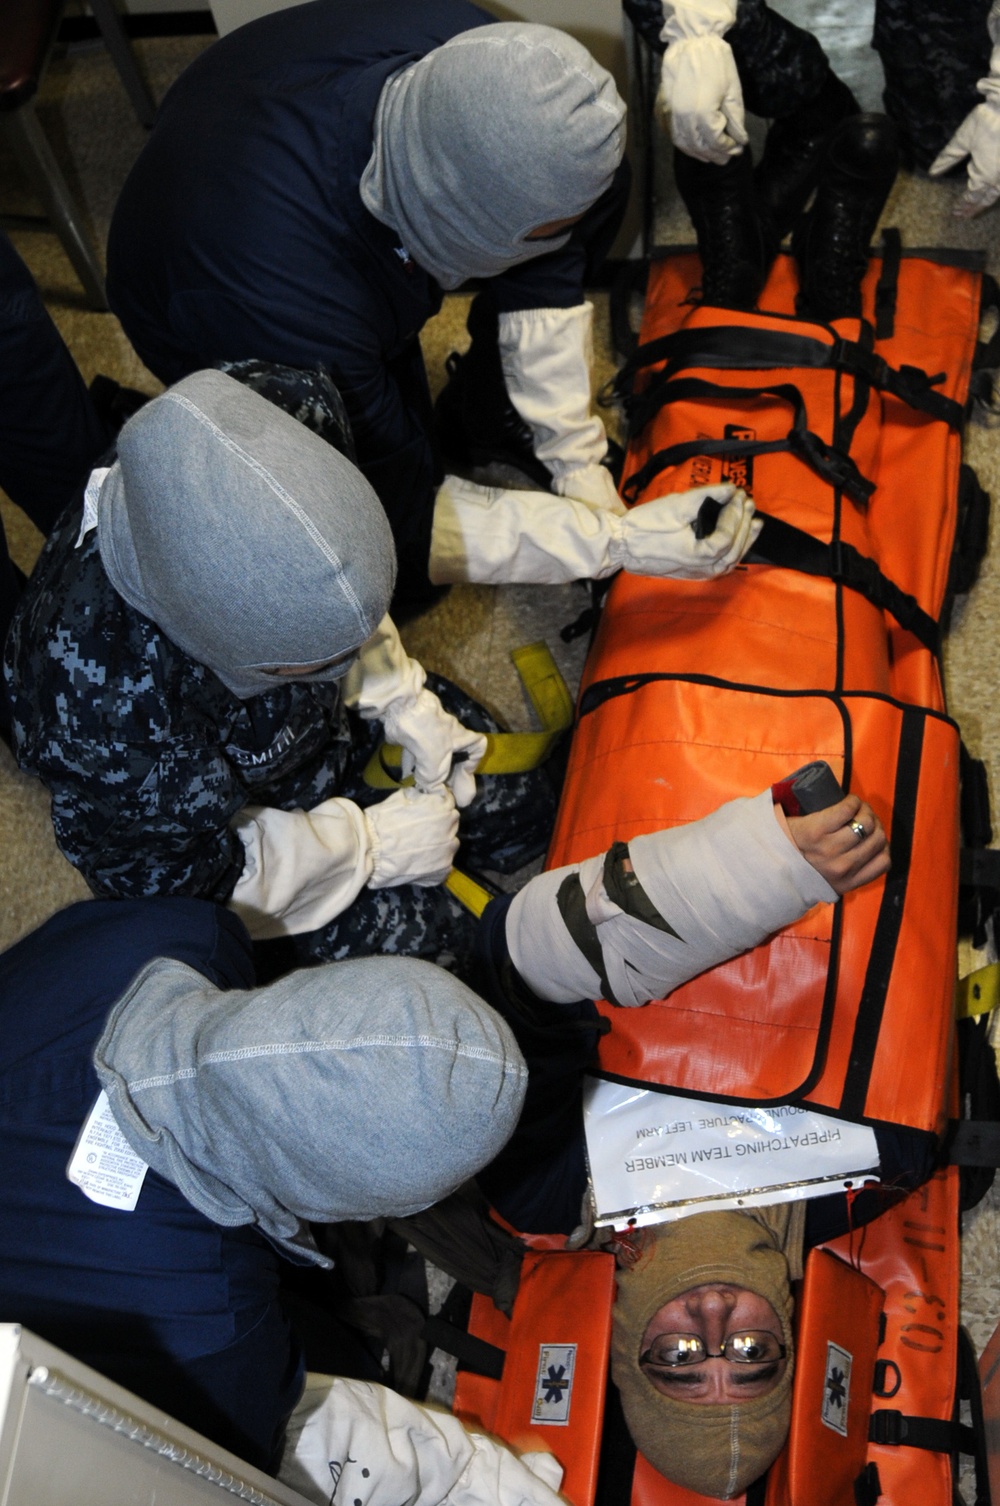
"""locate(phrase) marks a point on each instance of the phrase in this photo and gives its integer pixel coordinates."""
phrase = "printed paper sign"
(836, 1389)
(103, 1164)
(656, 1156)
(554, 1384)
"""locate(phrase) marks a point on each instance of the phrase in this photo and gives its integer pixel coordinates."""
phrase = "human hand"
(431, 738)
(659, 537)
(829, 840)
(413, 837)
(700, 88)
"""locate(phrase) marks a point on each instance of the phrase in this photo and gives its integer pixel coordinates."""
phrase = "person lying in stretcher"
(702, 1345)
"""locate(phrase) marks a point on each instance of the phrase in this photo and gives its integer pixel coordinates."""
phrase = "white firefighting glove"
(546, 356)
(978, 137)
(412, 837)
(494, 536)
(699, 84)
(360, 1442)
(386, 683)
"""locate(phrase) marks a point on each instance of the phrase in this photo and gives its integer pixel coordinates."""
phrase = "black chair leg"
(123, 58)
(31, 147)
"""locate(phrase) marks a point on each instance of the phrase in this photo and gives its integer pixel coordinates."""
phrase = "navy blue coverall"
(240, 233)
(161, 1300)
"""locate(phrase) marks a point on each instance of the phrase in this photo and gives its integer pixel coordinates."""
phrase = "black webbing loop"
(972, 1142)
(986, 356)
(735, 348)
(887, 288)
(890, 916)
(663, 390)
(933, 1433)
(830, 464)
(867, 1486)
(979, 867)
(971, 532)
(472, 1353)
(793, 549)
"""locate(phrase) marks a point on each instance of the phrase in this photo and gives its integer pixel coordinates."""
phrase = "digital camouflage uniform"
(933, 53)
(148, 756)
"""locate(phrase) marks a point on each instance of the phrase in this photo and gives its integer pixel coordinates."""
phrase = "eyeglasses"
(670, 1351)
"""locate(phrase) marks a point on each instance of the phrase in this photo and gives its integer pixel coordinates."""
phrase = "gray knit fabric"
(249, 541)
(361, 1089)
(503, 129)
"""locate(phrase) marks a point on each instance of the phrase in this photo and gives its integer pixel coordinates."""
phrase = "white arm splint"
(302, 868)
(978, 137)
(360, 1442)
(493, 536)
(385, 682)
(546, 356)
(699, 84)
(721, 885)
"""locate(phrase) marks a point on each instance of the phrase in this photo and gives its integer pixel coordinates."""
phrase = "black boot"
(831, 242)
(475, 422)
(736, 241)
(789, 169)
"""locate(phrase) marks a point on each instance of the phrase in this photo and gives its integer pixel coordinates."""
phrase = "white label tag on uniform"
(656, 1156)
(103, 1164)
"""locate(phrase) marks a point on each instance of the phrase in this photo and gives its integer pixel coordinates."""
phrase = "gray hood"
(249, 541)
(501, 130)
(362, 1089)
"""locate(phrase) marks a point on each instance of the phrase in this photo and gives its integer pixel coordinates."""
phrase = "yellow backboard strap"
(506, 752)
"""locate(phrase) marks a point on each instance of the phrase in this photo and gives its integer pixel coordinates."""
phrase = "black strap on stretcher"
(736, 348)
(794, 549)
(895, 1428)
(832, 465)
(472, 1353)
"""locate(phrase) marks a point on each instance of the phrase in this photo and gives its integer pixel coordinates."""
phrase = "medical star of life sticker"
(554, 1384)
(836, 1389)
(103, 1164)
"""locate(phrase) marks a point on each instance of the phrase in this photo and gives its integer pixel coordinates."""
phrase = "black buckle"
(887, 1426)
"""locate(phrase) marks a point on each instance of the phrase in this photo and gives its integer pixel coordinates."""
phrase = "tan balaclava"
(715, 1449)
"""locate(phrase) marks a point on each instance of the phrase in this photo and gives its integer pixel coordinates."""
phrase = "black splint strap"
(572, 903)
(625, 891)
(831, 465)
(793, 549)
(734, 348)
(940, 1437)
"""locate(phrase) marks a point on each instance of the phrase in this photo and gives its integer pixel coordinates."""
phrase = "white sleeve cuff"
(382, 673)
(696, 18)
(302, 868)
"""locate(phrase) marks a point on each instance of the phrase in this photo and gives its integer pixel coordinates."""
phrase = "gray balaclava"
(245, 538)
(503, 129)
(362, 1089)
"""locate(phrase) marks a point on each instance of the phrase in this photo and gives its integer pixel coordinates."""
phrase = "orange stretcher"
(825, 644)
